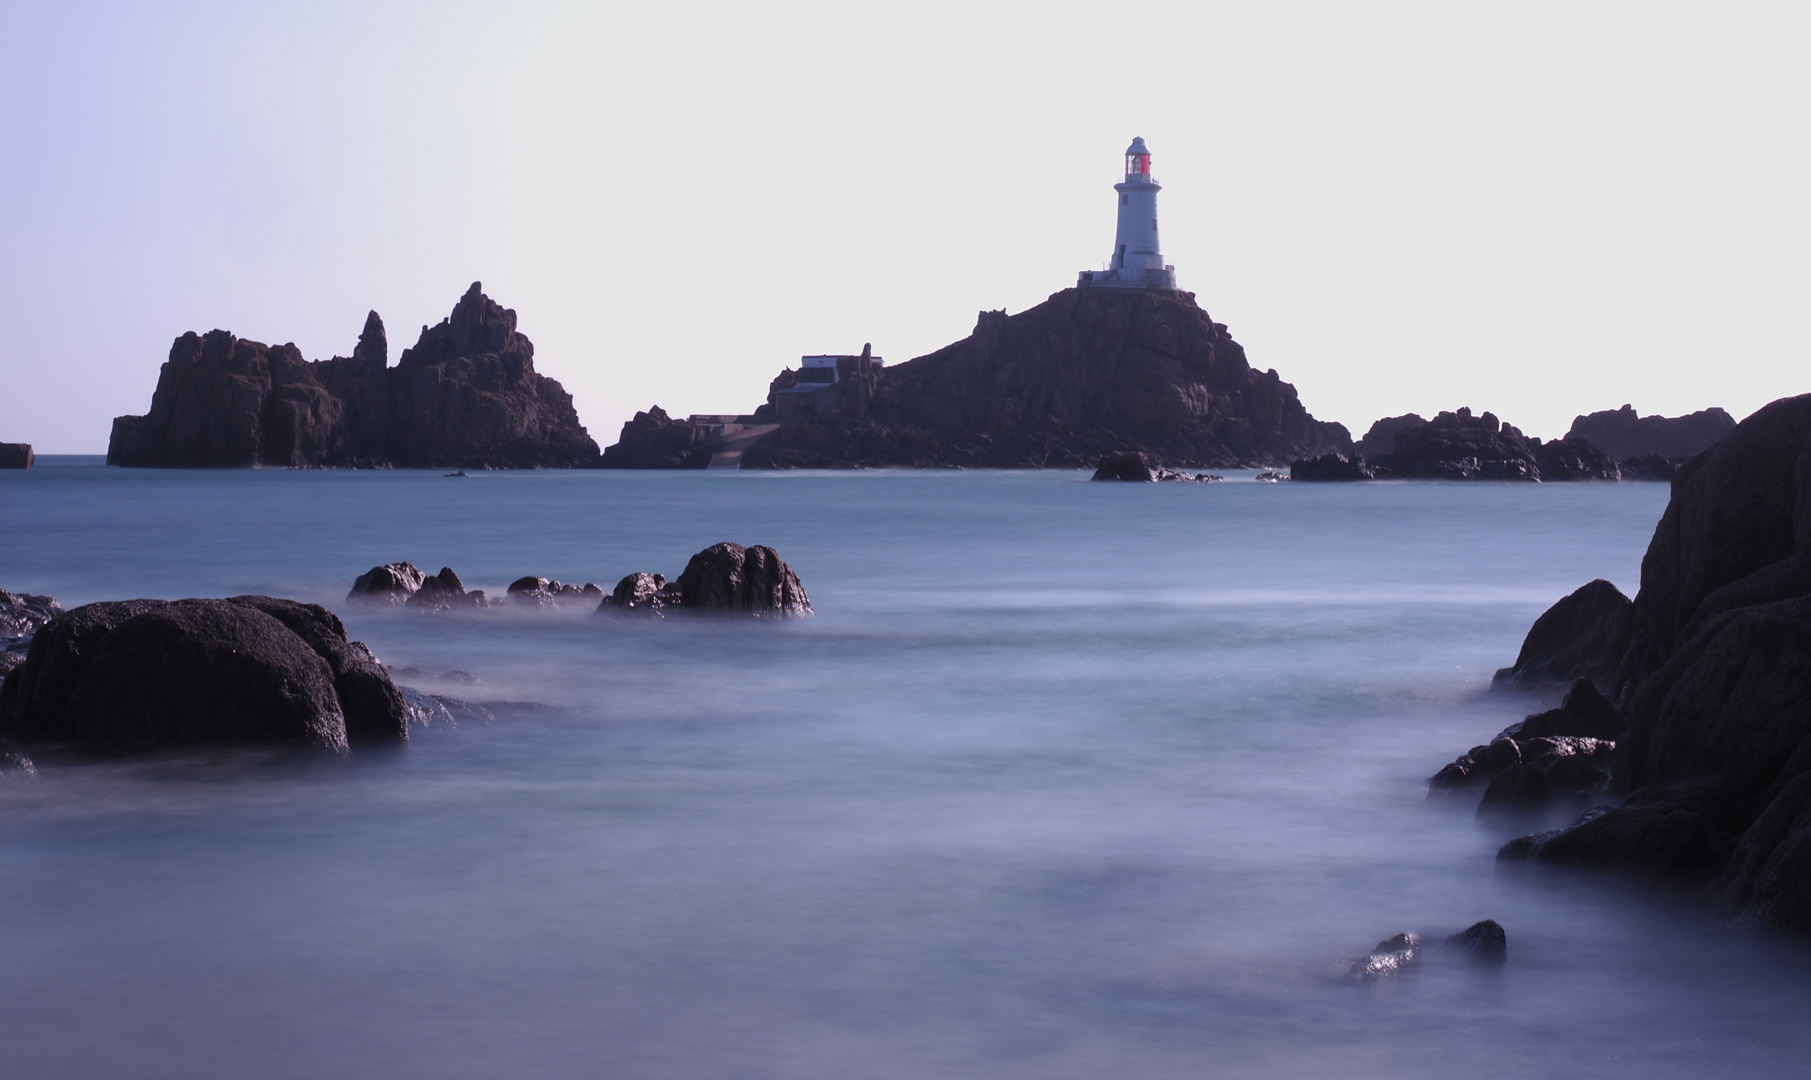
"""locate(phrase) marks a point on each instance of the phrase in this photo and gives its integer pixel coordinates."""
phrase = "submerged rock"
(1391, 956)
(1483, 940)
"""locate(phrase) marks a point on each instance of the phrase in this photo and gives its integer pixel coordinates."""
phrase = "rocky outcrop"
(1392, 956)
(724, 579)
(539, 592)
(1086, 373)
(466, 395)
(1625, 435)
(654, 440)
(1460, 446)
(1124, 465)
(1562, 753)
(1714, 767)
(392, 583)
(16, 455)
(143, 675)
(1330, 467)
(1583, 636)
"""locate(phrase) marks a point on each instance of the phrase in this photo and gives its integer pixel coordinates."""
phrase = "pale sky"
(1537, 209)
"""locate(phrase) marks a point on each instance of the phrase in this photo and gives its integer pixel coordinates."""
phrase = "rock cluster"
(1713, 685)
(1131, 465)
(654, 440)
(1086, 373)
(466, 394)
(722, 579)
(142, 675)
(1563, 753)
(1459, 446)
(1624, 434)
(16, 455)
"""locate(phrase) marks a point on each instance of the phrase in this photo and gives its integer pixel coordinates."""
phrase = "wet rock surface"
(142, 675)
(1484, 940)
(466, 395)
(724, 579)
(1558, 754)
(1392, 956)
(392, 583)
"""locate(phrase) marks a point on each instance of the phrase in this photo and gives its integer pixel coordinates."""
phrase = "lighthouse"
(1137, 260)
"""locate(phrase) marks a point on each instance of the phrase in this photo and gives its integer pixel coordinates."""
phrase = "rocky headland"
(466, 395)
(1086, 373)
(16, 455)
(1707, 702)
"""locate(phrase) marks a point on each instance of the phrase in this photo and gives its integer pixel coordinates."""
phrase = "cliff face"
(1085, 373)
(466, 395)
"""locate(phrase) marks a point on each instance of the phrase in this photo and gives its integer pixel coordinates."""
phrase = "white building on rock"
(1137, 261)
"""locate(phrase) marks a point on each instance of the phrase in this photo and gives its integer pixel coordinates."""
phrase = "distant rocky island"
(1086, 373)
(1610, 445)
(465, 396)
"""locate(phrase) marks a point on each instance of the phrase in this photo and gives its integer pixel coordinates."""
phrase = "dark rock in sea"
(149, 674)
(645, 594)
(372, 705)
(466, 395)
(1626, 435)
(1391, 956)
(1483, 940)
(1124, 465)
(1460, 446)
(392, 583)
(1086, 373)
(16, 455)
(1332, 467)
(1550, 768)
(1715, 686)
(749, 581)
(1583, 636)
(444, 592)
(542, 593)
(142, 675)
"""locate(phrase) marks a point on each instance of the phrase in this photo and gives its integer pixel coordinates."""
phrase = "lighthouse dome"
(1137, 146)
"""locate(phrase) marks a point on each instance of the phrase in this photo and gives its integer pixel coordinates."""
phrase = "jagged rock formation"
(1624, 434)
(143, 675)
(1460, 446)
(1086, 373)
(654, 440)
(1714, 769)
(16, 455)
(466, 395)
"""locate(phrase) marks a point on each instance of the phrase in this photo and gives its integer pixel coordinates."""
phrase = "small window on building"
(1122, 199)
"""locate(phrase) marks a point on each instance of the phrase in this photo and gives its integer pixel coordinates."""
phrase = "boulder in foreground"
(143, 675)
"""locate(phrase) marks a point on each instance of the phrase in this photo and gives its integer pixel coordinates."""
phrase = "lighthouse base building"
(1137, 259)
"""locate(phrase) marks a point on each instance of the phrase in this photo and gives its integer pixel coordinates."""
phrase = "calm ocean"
(1063, 780)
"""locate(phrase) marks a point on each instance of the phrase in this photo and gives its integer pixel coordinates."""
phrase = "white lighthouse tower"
(1137, 261)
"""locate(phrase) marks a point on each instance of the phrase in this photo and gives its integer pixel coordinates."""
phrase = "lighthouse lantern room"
(1137, 259)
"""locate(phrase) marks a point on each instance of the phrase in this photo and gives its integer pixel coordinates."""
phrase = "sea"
(1061, 780)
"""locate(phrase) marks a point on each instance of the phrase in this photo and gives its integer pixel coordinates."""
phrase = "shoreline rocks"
(465, 396)
(1132, 466)
(1626, 435)
(1711, 774)
(1458, 446)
